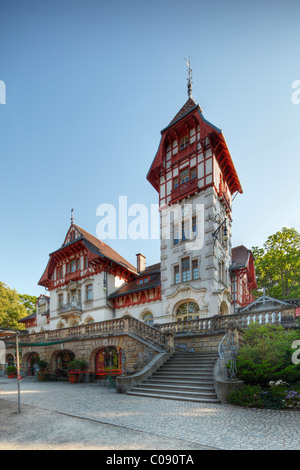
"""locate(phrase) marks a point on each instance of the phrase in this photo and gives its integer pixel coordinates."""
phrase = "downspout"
(105, 288)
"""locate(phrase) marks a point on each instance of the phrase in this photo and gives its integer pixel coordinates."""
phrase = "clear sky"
(91, 83)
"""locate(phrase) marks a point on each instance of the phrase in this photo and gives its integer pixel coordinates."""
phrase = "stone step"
(180, 381)
(177, 387)
(186, 393)
(174, 397)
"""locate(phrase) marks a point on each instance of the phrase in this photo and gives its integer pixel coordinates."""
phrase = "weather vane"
(189, 79)
(72, 216)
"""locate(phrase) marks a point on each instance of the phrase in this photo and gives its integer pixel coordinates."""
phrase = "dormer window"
(184, 143)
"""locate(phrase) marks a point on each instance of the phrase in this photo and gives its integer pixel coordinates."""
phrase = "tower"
(195, 178)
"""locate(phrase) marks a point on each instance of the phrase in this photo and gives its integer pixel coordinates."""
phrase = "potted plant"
(11, 372)
(75, 368)
(40, 370)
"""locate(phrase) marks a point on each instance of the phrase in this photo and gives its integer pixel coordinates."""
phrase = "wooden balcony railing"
(185, 189)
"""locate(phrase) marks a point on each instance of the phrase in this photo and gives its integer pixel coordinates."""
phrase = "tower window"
(195, 271)
(185, 269)
(184, 176)
(184, 142)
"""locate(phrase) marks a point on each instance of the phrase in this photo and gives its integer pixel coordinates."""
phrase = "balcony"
(186, 189)
(184, 153)
(70, 309)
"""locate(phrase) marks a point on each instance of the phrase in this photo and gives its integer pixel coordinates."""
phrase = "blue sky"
(89, 86)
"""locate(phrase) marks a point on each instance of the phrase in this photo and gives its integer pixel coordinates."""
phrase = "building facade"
(199, 274)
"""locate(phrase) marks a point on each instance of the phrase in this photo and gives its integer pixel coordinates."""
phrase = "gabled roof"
(153, 272)
(94, 245)
(106, 250)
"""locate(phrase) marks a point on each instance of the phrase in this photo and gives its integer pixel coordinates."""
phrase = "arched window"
(148, 318)
(187, 311)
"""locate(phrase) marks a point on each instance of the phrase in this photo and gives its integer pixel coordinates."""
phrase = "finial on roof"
(72, 216)
(189, 79)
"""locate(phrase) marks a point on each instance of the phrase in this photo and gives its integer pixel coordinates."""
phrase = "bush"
(77, 365)
(11, 370)
(266, 355)
(248, 395)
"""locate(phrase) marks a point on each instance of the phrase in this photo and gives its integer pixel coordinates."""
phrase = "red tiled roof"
(152, 271)
(105, 249)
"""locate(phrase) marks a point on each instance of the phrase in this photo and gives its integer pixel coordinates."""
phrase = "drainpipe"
(105, 288)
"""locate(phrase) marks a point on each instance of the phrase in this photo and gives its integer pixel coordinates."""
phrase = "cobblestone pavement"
(216, 426)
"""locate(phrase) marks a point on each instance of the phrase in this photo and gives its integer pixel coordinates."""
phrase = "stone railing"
(122, 325)
(219, 323)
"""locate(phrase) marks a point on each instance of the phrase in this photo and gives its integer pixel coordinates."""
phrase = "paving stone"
(214, 425)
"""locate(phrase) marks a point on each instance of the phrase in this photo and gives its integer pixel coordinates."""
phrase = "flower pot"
(11, 376)
(73, 378)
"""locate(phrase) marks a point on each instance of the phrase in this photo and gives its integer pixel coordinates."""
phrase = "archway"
(63, 359)
(32, 364)
(108, 359)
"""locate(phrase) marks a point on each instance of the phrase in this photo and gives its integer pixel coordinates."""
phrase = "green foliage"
(248, 395)
(11, 370)
(29, 302)
(266, 355)
(277, 265)
(276, 396)
(77, 365)
(11, 308)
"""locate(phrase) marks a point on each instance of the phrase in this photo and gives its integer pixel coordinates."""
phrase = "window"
(148, 318)
(89, 292)
(68, 268)
(59, 272)
(184, 176)
(73, 265)
(195, 271)
(176, 275)
(185, 269)
(184, 142)
(60, 300)
(175, 182)
(194, 226)
(193, 173)
(187, 311)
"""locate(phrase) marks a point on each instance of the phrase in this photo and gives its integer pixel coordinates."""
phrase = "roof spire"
(72, 216)
(189, 79)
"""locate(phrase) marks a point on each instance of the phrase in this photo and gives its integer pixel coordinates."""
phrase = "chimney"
(141, 262)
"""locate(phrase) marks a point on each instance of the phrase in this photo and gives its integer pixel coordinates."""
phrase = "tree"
(277, 265)
(29, 301)
(11, 308)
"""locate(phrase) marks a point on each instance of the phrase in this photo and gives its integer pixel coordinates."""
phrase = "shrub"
(266, 355)
(248, 395)
(11, 370)
(77, 365)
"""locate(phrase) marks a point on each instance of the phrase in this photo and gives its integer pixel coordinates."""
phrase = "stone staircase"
(185, 376)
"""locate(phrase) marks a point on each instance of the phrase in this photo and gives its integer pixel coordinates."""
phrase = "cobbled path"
(217, 426)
